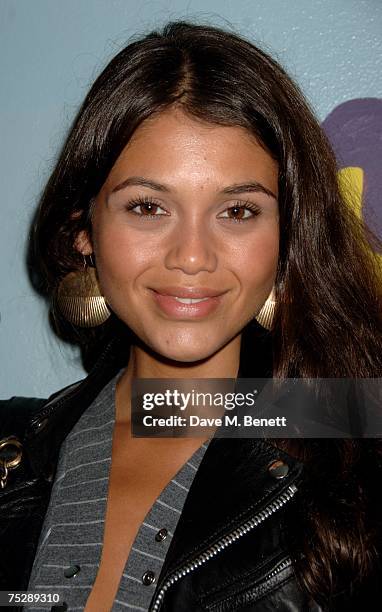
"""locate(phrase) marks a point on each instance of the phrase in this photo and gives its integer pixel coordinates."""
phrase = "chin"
(183, 345)
(186, 355)
(182, 353)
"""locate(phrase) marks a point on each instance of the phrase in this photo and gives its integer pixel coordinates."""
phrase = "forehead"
(176, 145)
(174, 122)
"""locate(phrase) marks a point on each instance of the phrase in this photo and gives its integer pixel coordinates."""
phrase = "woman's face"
(166, 221)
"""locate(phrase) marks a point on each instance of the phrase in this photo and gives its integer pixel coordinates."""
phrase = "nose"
(191, 249)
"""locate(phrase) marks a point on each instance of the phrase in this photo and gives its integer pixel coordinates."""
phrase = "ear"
(83, 244)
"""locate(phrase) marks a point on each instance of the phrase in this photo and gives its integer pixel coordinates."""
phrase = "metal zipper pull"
(10, 457)
(224, 542)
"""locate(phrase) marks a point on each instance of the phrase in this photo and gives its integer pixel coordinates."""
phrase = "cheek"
(121, 256)
(120, 249)
(255, 259)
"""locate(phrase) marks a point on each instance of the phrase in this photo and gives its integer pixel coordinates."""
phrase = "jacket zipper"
(279, 568)
(269, 581)
(224, 542)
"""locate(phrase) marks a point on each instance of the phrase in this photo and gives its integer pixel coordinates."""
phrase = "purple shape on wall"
(354, 129)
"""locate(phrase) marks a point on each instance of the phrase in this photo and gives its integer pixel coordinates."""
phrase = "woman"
(196, 170)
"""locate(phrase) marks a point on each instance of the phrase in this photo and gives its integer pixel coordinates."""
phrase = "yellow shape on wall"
(351, 185)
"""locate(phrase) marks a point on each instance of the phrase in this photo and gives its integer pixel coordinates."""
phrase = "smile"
(184, 307)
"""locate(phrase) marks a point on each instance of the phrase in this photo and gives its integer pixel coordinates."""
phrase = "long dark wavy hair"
(328, 316)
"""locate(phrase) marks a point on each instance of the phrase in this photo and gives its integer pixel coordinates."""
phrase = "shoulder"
(20, 407)
(18, 411)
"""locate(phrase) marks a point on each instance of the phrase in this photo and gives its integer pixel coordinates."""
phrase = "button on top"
(72, 571)
(161, 535)
(278, 469)
(148, 578)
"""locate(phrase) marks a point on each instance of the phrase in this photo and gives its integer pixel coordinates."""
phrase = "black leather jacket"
(228, 551)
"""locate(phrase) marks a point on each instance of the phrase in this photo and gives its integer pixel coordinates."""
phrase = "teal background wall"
(50, 51)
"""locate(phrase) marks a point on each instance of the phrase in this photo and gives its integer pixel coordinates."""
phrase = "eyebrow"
(236, 188)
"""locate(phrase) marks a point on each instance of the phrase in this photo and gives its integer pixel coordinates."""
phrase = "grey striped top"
(70, 544)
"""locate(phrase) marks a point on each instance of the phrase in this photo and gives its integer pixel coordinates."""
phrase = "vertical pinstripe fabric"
(73, 529)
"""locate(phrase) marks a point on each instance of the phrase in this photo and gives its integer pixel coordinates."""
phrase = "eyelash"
(141, 201)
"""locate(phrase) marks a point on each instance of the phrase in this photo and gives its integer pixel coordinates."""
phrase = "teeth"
(189, 300)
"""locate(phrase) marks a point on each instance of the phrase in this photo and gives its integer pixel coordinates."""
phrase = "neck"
(144, 363)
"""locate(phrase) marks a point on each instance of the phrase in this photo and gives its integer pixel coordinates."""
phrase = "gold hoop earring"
(265, 316)
(79, 298)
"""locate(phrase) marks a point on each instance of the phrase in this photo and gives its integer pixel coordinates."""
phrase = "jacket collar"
(52, 423)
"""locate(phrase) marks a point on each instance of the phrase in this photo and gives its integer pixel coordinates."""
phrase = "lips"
(170, 301)
(189, 292)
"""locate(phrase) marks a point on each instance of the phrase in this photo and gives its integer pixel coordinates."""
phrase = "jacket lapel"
(231, 486)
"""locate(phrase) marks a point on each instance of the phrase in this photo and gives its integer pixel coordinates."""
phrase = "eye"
(147, 205)
(240, 210)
